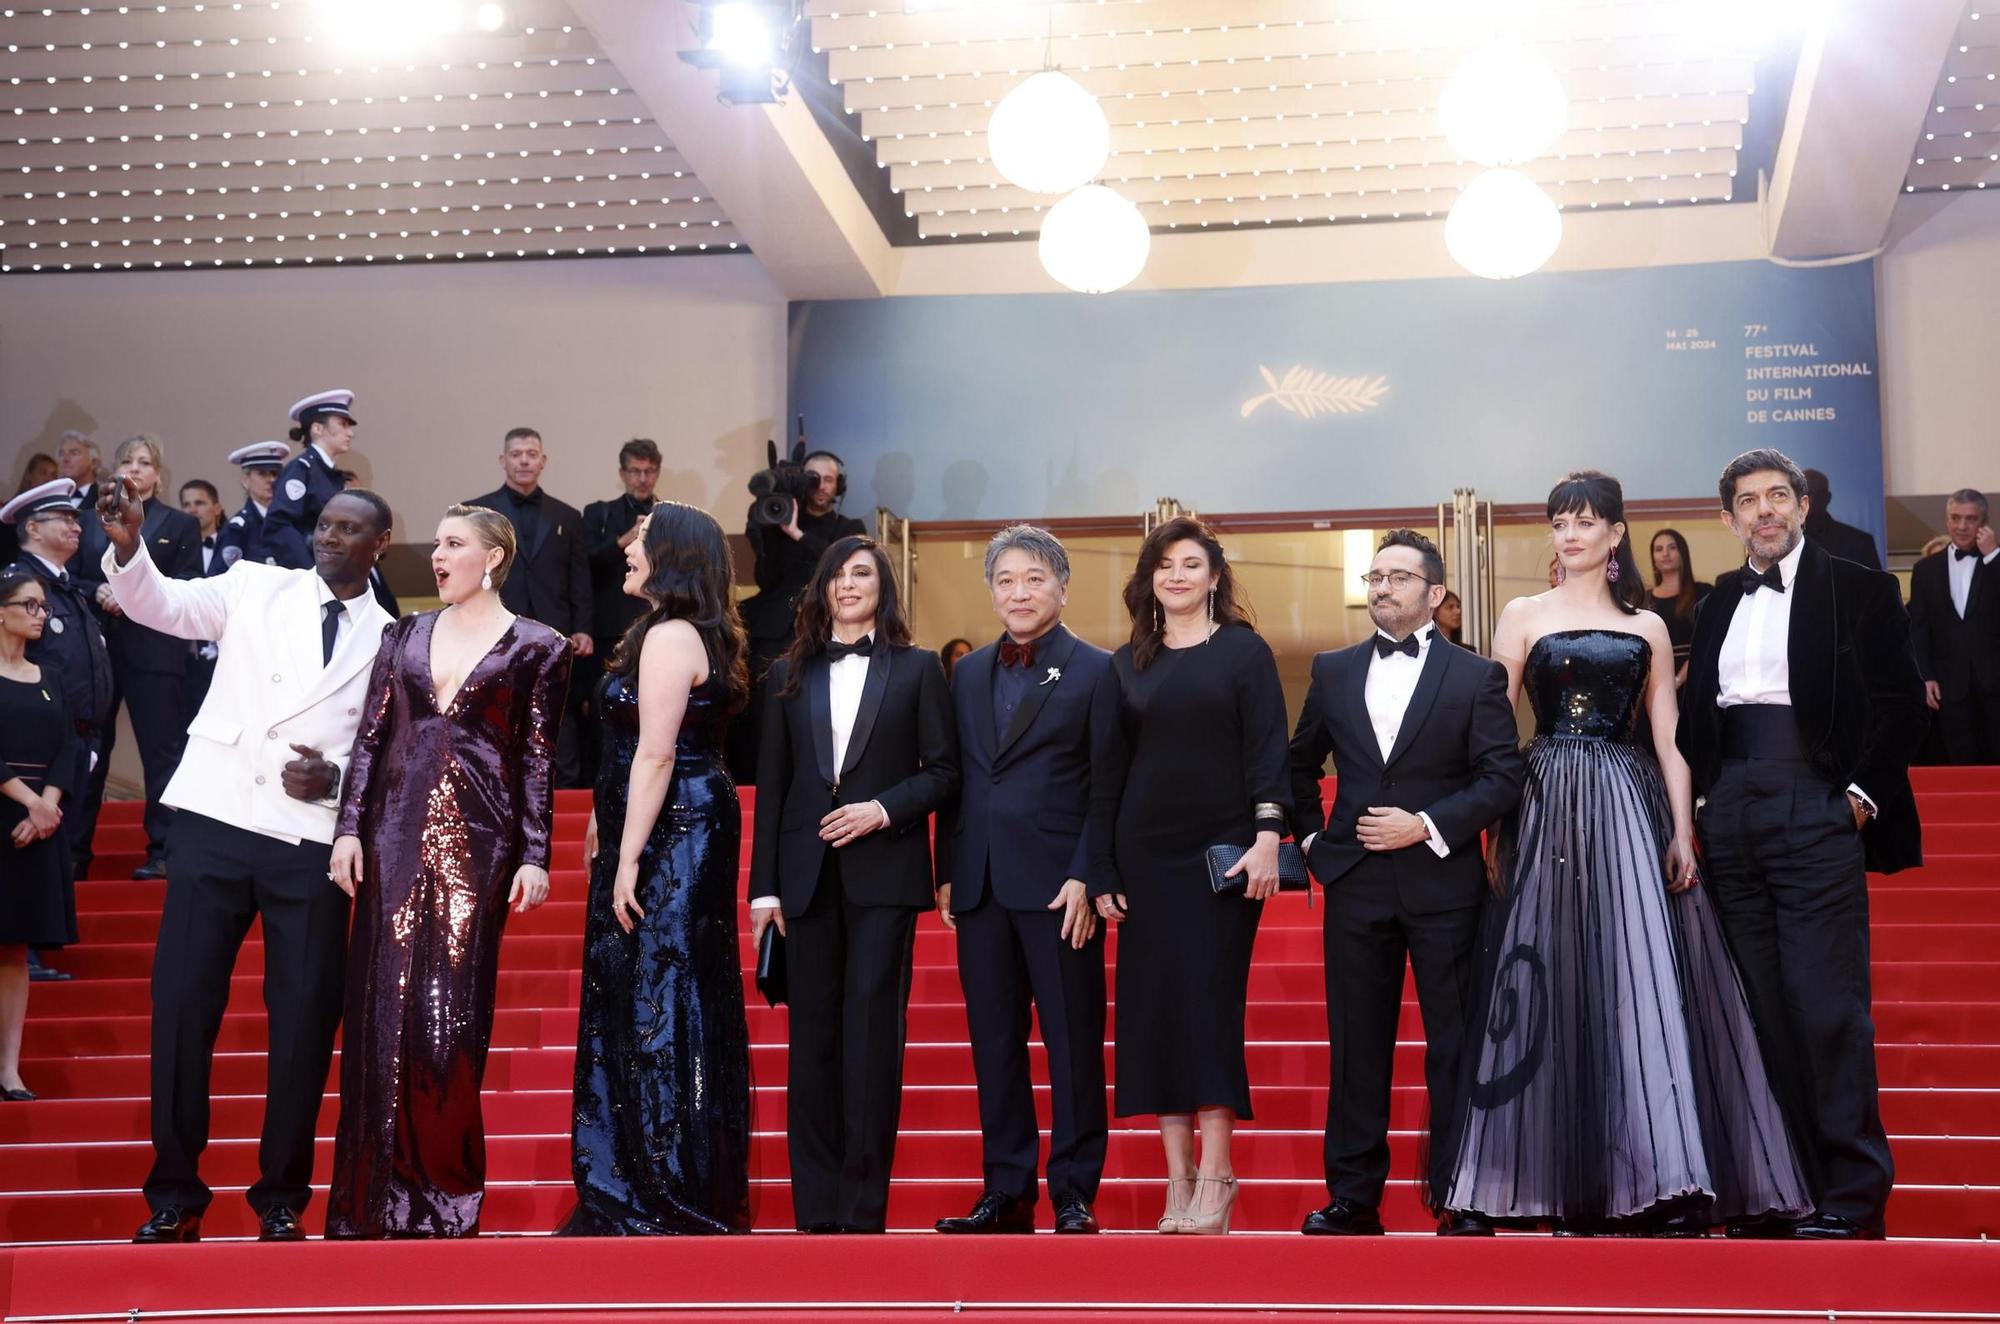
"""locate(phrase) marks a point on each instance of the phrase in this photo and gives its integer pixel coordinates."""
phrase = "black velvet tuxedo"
(1456, 758)
(1015, 835)
(1960, 653)
(550, 578)
(850, 914)
(1783, 863)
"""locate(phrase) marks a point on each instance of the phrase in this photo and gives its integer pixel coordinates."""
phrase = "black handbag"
(1291, 869)
(771, 979)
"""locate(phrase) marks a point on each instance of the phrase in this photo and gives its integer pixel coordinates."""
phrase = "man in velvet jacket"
(855, 759)
(1424, 742)
(1802, 708)
(1012, 884)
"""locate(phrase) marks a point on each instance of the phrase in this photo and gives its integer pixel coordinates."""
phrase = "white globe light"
(1502, 226)
(1094, 240)
(1049, 135)
(489, 17)
(1502, 105)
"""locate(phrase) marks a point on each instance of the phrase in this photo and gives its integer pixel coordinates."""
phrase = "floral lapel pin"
(1055, 674)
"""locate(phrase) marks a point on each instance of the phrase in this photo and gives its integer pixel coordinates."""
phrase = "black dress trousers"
(220, 877)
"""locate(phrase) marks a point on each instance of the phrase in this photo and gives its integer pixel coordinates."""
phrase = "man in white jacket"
(257, 792)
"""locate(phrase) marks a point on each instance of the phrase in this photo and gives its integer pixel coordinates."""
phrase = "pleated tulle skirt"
(1618, 1075)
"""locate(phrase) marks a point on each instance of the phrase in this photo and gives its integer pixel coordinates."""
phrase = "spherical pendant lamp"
(1094, 240)
(1503, 105)
(1503, 225)
(1049, 135)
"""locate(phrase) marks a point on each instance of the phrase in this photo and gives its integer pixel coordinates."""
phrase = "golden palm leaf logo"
(1309, 394)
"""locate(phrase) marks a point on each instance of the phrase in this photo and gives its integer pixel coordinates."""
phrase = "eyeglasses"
(33, 606)
(1397, 580)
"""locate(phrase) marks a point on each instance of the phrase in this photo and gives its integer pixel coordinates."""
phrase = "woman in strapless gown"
(1618, 1085)
(661, 1129)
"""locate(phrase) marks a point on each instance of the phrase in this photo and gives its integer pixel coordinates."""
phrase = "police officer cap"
(56, 494)
(261, 455)
(325, 402)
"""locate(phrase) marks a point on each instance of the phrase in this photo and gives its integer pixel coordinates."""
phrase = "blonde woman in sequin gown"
(444, 825)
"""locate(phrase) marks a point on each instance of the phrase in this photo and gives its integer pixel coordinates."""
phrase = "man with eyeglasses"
(71, 650)
(608, 529)
(1423, 740)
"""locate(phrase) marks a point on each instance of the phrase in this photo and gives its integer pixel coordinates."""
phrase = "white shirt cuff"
(885, 815)
(1437, 843)
(1988, 558)
(1305, 847)
(1862, 796)
(764, 903)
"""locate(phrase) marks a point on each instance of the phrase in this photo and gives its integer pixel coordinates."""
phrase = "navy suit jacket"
(1021, 814)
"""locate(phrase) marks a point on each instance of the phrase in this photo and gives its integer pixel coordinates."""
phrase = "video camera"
(780, 487)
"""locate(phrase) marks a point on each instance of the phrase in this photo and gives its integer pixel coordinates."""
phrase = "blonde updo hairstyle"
(493, 530)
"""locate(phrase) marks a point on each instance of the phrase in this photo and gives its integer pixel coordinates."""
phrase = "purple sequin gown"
(448, 804)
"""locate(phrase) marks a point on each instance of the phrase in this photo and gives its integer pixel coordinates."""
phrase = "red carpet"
(70, 1165)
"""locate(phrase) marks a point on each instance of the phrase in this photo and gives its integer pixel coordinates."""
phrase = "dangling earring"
(1211, 609)
(1611, 570)
(486, 581)
(1562, 572)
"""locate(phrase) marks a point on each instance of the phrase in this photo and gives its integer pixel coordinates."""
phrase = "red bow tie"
(1017, 655)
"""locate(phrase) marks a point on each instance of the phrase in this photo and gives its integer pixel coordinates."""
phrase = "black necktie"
(1752, 581)
(329, 630)
(1964, 553)
(1384, 646)
(835, 650)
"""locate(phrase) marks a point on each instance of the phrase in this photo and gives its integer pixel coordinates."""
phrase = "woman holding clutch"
(1201, 749)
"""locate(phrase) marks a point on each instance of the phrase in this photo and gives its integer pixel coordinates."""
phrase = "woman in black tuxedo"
(858, 748)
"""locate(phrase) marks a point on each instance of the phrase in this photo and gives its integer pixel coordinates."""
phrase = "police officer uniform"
(307, 483)
(242, 534)
(71, 651)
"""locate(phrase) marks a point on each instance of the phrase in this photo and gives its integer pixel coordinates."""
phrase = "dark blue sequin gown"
(1619, 1083)
(661, 1132)
(448, 802)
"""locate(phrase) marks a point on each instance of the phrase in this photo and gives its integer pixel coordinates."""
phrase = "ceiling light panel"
(1959, 148)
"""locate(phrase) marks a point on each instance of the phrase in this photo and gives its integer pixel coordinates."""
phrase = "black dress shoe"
(994, 1213)
(820, 1229)
(1764, 1228)
(1073, 1215)
(155, 867)
(1465, 1224)
(170, 1223)
(1832, 1227)
(279, 1224)
(1343, 1218)
(22, 1095)
(47, 974)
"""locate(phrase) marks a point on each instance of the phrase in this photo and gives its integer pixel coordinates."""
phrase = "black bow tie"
(1752, 581)
(1017, 655)
(835, 650)
(1384, 646)
(209, 541)
(1964, 553)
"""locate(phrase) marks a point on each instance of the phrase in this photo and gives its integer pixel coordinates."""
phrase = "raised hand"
(122, 516)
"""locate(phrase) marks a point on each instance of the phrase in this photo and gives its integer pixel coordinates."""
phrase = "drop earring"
(486, 581)
(1211, 610)
(1611, 570)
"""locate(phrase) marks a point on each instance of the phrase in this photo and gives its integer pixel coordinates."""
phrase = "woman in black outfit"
(1675, 594)
(858, 747)
(41, 761)
(1199, 761)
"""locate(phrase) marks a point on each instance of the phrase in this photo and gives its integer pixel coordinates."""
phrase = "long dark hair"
(1601, 495)
(691, 578)
(1149, 618)
(1683, 600)
(812, 626)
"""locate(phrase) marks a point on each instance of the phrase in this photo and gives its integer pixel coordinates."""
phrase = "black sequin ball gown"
(1619, 1085)
(661, 1128)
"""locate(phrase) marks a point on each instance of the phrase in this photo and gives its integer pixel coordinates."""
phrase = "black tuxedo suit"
(1457, 759)
(850, 914)
(1016, 834)
(548, 582)
(149, 669)
(1960, 653)
(1783, 863)
(612, 612)
(1845, 541)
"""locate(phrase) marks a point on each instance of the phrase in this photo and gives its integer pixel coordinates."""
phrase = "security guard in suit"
(324, 425)
(242, 534)
(71, 649)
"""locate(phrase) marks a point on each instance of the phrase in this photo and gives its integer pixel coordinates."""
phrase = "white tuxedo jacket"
(270, 690)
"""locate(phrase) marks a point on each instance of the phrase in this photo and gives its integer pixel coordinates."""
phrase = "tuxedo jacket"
(550, 578)
(1457, 758)
(1020, 818)
(903, 752)
(1846, 542)
(612, 609)
(173, 541)
(1856, 693)
(271, 689)
(1962, 654)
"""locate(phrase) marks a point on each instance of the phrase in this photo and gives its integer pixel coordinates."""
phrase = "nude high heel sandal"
(1177, 1209)
(1216, 1221)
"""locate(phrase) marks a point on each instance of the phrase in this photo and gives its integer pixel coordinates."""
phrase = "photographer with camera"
(795, 518)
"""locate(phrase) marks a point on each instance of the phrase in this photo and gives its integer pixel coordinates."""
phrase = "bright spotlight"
(387, 25)
(744, 35)
(489, 17)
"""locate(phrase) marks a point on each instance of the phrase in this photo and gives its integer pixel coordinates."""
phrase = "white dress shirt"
(1391, 683)
(348, 606)
(1756, 662)
(1959, 570)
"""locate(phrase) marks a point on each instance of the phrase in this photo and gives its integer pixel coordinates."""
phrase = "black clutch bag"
(1291, 869)
(771, 981)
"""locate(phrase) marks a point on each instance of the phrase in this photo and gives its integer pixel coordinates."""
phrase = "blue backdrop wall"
(1330, 397)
